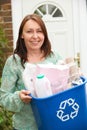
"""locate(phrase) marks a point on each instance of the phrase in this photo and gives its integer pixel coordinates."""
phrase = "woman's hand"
(24, 96)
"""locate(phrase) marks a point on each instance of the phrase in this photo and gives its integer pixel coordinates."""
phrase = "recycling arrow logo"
(72, 105)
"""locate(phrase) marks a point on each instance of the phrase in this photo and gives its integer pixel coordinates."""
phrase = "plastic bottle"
(42, 86)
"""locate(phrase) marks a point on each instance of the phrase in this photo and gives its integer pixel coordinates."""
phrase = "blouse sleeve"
(9, 97)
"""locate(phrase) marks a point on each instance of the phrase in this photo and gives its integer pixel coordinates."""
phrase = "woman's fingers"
(24, 95)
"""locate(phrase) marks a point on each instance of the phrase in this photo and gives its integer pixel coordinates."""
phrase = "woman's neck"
(35, 56)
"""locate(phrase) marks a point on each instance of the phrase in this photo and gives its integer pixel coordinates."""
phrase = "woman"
(32, 46)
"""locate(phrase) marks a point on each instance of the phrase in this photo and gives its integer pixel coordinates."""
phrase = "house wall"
(6, 24)
(6, 21)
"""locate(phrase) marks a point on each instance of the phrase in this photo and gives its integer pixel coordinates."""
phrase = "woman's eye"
(39, 31)
(29, 31)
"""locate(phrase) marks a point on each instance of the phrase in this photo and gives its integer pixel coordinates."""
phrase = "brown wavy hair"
(20, 44)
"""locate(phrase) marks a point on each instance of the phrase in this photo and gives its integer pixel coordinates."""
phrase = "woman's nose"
(35, 34)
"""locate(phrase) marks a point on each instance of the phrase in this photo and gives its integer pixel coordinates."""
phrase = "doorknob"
(77, 59)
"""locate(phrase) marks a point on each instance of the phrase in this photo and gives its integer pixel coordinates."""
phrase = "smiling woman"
(33, 46)
(33, 36)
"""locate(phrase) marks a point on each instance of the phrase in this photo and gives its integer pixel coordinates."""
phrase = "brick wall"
(6, 20)
(6, 23)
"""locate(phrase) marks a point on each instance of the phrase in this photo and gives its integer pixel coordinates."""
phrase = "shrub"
(5, 116)
(3, 46)
(5, 119)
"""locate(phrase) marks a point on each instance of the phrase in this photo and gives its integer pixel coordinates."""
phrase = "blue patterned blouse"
(12, 83)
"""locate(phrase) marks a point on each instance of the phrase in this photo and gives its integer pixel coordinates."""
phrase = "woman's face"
(32, 35)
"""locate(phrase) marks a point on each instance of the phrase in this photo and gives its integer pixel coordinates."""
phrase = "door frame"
(83, 35)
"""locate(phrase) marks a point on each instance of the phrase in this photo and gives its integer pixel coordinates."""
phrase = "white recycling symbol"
(71, 103)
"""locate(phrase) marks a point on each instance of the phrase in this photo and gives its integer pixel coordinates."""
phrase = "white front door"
(57, 15)
(67, 32)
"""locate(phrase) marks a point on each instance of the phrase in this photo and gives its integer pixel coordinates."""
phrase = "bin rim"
(44, 98)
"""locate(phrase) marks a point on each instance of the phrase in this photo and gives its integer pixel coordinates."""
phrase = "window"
(48, 10)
